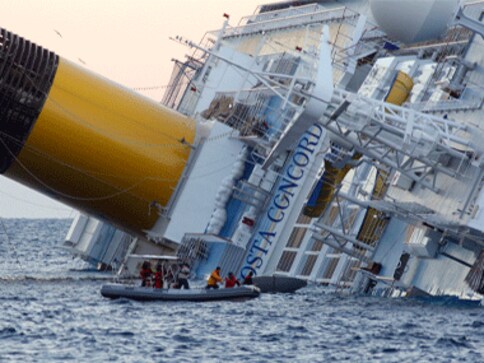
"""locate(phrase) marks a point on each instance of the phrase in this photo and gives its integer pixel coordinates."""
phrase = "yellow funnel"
(88, 142)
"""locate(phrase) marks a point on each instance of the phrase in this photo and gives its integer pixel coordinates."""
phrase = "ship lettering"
(290, 172)
(273, 217)
(267, 235)
(258, 248)
(300, 159)
(287, 189)
(281, 201)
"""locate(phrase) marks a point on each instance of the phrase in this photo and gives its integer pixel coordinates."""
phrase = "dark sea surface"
(52, 311)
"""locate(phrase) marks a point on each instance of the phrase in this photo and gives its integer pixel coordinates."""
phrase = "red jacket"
(145, 275)
(231, 281)
(158, 283)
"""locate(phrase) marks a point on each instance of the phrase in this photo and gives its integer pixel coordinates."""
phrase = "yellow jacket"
(214, 278)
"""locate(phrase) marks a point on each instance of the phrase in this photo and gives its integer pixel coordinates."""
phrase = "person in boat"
(183, 276)
(214, 279)
(158, 278)
(170, 276)
(145, 274)
(248, 279)
(231, 281)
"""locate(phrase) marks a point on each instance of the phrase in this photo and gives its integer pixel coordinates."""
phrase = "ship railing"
(275, 14)
(397, 118)
(192, 248)
(347, 50)
(252, 115)
(401, 138)
(357, 51)
(373, 33)
(337, 153)
(176, 95)
(446, 106)
(175, 89)
(331, 15)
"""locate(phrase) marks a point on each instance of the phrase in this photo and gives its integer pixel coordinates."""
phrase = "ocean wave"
(54, 312)
(19, 278)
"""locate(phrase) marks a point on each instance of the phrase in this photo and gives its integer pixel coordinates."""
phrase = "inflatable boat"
(115, 291)
(278, 283)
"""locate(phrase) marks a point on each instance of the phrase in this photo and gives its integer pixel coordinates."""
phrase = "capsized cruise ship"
(335, 141)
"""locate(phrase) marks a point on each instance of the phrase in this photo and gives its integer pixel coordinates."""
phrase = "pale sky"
(124, 40)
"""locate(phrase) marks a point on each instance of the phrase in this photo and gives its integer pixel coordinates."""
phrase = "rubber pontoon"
(277, 283)
(115, 291)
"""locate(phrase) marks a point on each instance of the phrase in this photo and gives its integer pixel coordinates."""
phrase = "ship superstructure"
(312, 145)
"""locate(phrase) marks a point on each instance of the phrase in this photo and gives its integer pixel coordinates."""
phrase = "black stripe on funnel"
(26, 75)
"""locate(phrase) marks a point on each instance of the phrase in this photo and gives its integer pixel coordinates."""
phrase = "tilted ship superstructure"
(306, 141)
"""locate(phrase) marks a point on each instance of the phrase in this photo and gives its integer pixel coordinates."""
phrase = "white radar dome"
(411, 21)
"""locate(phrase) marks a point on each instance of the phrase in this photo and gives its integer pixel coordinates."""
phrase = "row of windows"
(326, 269)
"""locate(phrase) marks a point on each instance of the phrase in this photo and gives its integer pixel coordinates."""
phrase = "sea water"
(51, 310)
